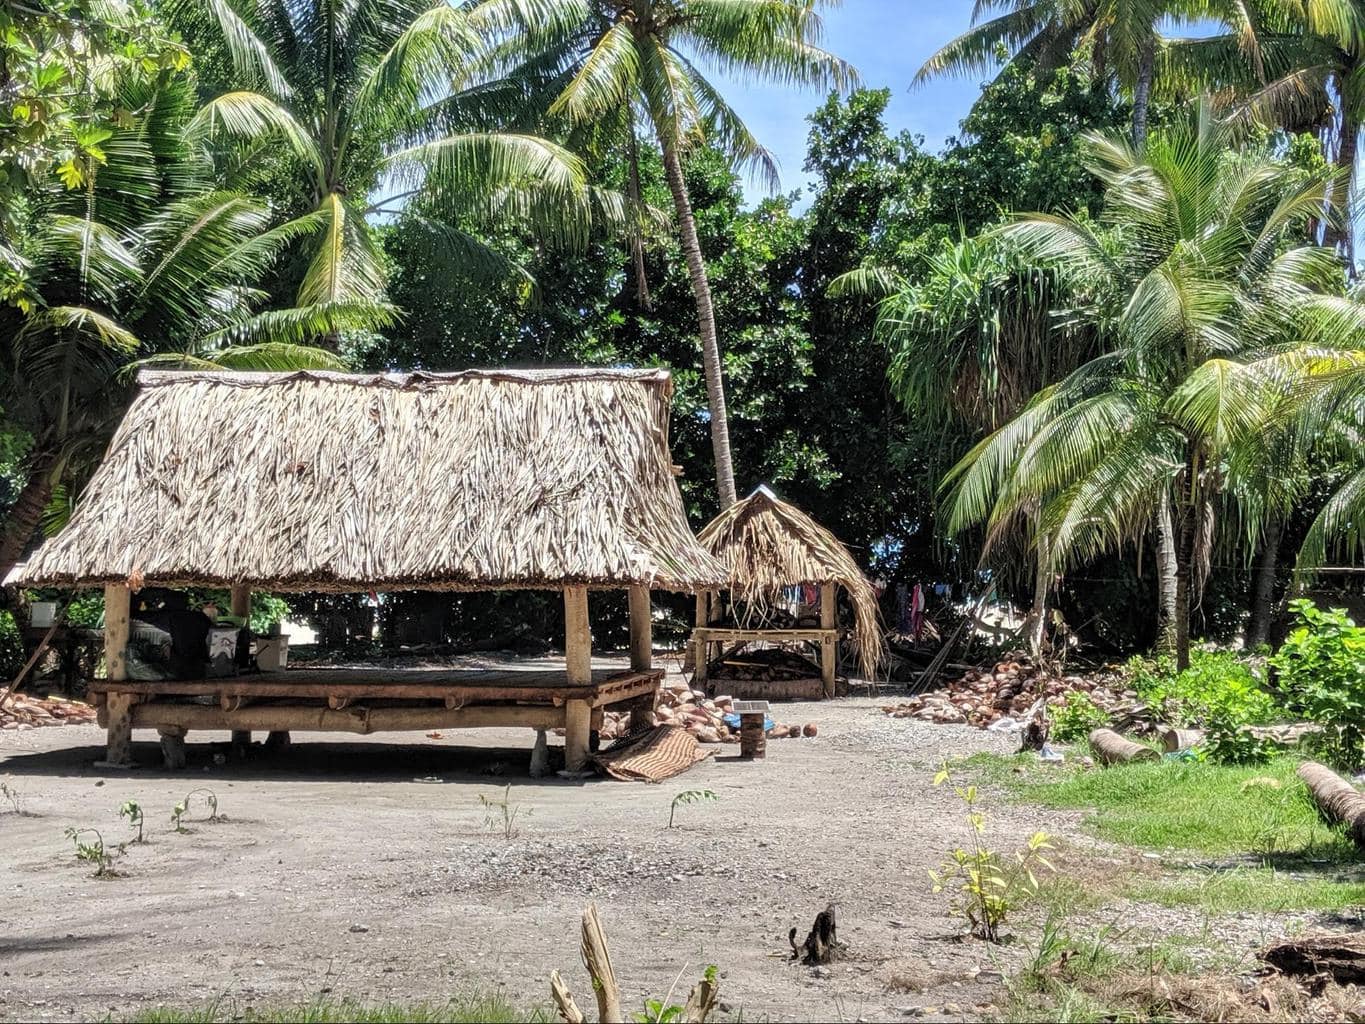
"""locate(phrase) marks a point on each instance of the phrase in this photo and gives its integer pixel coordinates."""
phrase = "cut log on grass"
(1175, 740)
(1111, 748)
(822, 944)
(1337, 799)
(1341, 956)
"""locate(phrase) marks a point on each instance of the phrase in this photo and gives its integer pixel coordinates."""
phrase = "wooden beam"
(119, 740)
(641, 630)
(241, 600)
(360, 720)
(828, 644)
(577, 637)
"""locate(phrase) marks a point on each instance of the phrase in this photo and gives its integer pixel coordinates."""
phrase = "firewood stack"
(981, 697)
(20, 711)
(700, 715)
(766, 664)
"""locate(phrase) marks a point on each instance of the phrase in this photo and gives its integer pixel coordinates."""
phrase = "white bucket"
(41, 613)
(272, 652)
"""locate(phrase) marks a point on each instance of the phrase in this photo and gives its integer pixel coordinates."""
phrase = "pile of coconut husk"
(1014, 688)
(21, 711)
(762, 663)
(702, 716)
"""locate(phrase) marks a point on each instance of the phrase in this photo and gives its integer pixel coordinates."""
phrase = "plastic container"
(272, 652)
(42, 613)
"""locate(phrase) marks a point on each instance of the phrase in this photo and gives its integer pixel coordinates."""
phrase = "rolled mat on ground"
(660, 753)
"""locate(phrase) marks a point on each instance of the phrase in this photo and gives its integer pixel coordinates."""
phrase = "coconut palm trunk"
(24, 517)
(1263, 590)
(1167, 571)
(1346, 161)
(1042, 580)
(1142, 93)
(706, 319)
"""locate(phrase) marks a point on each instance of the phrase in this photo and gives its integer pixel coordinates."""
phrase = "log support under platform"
(172, 746)
(277, 739)
(577, 734)
(117, 611)
(578, 665)
(829, 647)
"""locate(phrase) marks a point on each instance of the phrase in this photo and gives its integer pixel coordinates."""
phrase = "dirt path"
(338, 871)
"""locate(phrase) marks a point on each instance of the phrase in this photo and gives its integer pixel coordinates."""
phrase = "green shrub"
(1322, 671)
(1076, 717)
(1218, 692)
(11, 647)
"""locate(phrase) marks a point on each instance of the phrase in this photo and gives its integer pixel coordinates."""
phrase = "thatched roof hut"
(769, 545)
(486, 479)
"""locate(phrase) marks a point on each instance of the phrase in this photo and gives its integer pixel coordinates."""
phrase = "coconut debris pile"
(982, 697)
(702, 716)
(21, 711)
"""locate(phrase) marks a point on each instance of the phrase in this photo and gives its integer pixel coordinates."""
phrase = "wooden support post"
(241, 601)
(642, 713)
(577, 727)
(828, 645)
(241, 741)
(117, 610)
(641, 630)
(577, 637)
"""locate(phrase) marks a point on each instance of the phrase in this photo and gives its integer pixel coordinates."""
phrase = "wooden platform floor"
(465, 686)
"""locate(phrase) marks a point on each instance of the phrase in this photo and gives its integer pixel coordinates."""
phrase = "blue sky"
(887, 41)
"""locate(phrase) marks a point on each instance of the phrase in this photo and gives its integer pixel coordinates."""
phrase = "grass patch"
(463, 1010)
(1179, 805)
(1265, 889)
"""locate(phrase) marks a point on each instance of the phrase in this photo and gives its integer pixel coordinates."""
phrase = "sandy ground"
(364, 868)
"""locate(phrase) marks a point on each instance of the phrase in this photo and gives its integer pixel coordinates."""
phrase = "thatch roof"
(769, 544)
(486, 479)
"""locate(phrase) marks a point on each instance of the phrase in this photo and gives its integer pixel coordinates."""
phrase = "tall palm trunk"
(1167, 573)
(1142, 93)
(1042, 580)
(706, 318)
(1263, 590)
(25, 516)
(1347, 150)
(637, 237)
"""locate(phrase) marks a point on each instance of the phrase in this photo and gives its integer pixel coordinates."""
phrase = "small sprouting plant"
(91, 852)
(1076, 716)
(689, 796)
(132, 810)
(502, 814)
(663, 1011)
(987, 885)
(179, 811)
(12, 797)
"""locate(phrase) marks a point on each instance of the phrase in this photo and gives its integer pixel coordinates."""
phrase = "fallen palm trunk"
(1175, 740)
(1111, 748)
(1341, 956)
(1336, 798)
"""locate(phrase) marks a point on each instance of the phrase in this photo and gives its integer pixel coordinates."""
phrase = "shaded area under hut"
(317, 481)
(781, 599)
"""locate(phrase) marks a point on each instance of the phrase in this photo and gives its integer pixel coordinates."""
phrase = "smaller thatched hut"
(771, 547)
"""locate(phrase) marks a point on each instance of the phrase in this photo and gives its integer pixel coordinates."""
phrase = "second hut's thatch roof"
(768, 545)
(344, 482)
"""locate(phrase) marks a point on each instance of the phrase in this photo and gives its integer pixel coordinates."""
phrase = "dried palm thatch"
(339, 482)
(769, 544)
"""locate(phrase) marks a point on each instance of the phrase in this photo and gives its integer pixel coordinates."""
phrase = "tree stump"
(1341, 956)
(1337, 799)
(822, 944)
(1111, 748)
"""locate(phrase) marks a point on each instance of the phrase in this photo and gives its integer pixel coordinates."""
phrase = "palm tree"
(1207, 295)
(1123, 38)
(386, 96)
(636, 62)
(147, 261)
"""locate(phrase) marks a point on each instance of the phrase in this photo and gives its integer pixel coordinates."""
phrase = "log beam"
(277, 718)
(241, 601)
(117, 612)
(577, 732)
(577, 637)
(1337, 799)
(1111, 748)
(641, 630)
(828, 645)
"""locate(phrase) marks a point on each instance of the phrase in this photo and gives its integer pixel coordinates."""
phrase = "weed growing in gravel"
(132, 810)
(179, 811)
(987, 886)
(460, 1010)
(502, 814)
(689, 796)
(12, 797)
(92, 852)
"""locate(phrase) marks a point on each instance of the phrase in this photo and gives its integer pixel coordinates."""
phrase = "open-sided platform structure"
(317, 481)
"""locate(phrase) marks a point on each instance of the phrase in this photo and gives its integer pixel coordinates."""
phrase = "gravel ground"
(365, 868)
